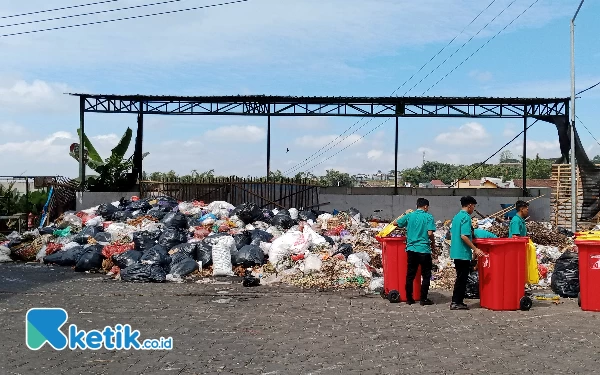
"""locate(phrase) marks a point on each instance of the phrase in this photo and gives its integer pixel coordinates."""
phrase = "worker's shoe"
(410, 301)
(458, 306)
(426, 302)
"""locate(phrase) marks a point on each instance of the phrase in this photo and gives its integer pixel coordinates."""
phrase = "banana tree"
(114, 172)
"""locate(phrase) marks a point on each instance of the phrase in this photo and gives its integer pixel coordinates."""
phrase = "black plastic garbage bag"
(67, 258)
(182, 265)
(248, 212)
(91, 259)
(136, 214)
(145, 240)
(157, 255)
(353, 212)
(267, 216)
(307, 215)
(141, 205)
(282, 220)
(242, 239)
(157, 213)
(248, 256)
(144, 273)
(47, 230)
(204, 253)
(103, 237)
(345, 249)
(87, 233)
(472, 291)
(175, 220)
(565, 278)
(188, 248)
(107, 211)
(565, 232)
(329, 240)
(122, 216)
(259, 236)
(127, 259)
(172, 237)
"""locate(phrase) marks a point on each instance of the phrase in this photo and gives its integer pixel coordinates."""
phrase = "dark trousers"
(414, 261)
(463, 269)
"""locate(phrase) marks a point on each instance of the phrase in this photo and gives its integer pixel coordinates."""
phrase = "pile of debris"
(160, 239)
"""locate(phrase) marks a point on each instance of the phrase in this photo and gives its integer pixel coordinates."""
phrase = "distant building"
(484, 183)
(536, 183)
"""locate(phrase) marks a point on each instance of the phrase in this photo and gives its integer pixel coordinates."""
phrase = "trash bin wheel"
(394, 296)
(579, 299)
(525, 303)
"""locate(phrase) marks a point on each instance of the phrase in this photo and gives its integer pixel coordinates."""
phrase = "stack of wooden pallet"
(561, 195)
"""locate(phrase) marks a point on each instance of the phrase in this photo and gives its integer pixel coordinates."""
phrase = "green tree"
(596, 159)
(114, 173)
(538, 168)
(413, 176)
(336, 178)
(506, 155)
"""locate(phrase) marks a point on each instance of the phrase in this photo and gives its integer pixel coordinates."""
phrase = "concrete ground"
(223, 328)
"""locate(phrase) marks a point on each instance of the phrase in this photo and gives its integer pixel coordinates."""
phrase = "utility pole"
(573, 163)
(423, 157)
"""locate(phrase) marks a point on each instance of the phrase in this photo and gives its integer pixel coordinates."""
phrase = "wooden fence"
(273, 194)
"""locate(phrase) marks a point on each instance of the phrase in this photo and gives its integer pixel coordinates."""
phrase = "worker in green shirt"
(481, 233)
(420, 243)
(517, 224)
(461, 250)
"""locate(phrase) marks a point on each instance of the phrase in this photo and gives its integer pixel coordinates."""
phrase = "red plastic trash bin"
(589, 274)
(395, 261)
(502, 273)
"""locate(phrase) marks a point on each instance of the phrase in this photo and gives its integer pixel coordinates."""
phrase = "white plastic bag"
(38, 258)
(292, 242)
(313, 237)
(376, 284)
(266, 247)
(73, 220)
(220, 209)
(5, 254)
(221, 254)
(94, 222)
(70, 245)
(312, 263)
(293, 213)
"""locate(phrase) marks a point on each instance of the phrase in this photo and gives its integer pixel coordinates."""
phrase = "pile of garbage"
(160, 239)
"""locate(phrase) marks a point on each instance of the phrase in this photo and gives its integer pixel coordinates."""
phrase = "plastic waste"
(248, 256)
(242, 239)
(90, 260)
(345, 249)
(472, 291)
(122, 216)
(248, 213)
(283, 220)
(127, 259)
(312, 263)
(172, 237)
(156, 255)
(145, 240)
(62, 232)
(221, 256)
(182, 264)
(175, 220)
(5, 254)
(107, 211)
(565, 278)
(144, 273)
(66, 257)
(87, 233)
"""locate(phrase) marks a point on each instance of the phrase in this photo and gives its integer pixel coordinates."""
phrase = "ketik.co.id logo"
(43, 326)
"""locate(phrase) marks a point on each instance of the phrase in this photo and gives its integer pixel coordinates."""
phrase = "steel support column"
(525, 156)
(268, 148)
(396, 161)
(139, 139)
(81, 143)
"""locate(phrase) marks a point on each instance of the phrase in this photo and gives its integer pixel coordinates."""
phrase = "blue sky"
(304, 47)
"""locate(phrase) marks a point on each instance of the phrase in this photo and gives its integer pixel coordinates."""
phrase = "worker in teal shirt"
(517, 224)
(461, 250)
(481, 233)
(420, 242)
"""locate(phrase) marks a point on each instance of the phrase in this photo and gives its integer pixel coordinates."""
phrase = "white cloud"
(10, 129)
(509, 131)
(374, 154)
(235, 133)
(481, 76)
(36, 96)
(471, 133)
(111, 139)
(333, 142)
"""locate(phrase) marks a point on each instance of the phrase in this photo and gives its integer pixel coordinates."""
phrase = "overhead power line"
(125, 18)
(91, 13)
(480, 48)
(55, 9)
(318, 152)
(589, 88)
(461, 47)
(588, 130)
(497, 152)
(510, 23)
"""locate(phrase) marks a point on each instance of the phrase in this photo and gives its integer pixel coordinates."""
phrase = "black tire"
(579, 299)
(525, 303)
(394, 296)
